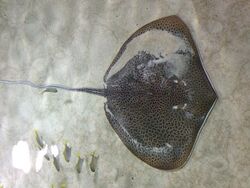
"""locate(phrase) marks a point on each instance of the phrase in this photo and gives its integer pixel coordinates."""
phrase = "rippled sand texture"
(73, 43)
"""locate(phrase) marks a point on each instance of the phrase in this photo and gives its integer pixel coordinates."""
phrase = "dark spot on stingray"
(158, 93)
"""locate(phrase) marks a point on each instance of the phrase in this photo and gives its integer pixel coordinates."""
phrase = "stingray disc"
(158, 94)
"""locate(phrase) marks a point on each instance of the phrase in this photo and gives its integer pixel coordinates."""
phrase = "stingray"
(158, 93)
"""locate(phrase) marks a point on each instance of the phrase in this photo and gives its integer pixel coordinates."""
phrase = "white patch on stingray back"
(174, 64)
(159, 43)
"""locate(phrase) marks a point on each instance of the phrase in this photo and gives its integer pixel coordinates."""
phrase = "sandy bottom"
(73, 43)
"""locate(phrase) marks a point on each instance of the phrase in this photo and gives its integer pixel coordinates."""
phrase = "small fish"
(50, 90)
(47, 157)
(67, 152)
(56, 163)
(79, 164)
(41, 143)
(55, 153)
(93, 163)
(39, 140)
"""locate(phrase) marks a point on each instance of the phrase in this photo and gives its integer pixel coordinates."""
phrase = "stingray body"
(158, 94)
(160, 98)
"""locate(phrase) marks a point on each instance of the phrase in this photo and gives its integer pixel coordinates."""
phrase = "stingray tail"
(95, 91)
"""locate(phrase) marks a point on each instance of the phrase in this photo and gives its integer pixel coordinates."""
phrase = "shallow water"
(73, 43)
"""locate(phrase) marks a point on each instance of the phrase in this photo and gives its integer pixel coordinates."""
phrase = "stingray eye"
(161, 59)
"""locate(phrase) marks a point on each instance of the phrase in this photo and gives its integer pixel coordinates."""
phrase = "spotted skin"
(157, 114)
